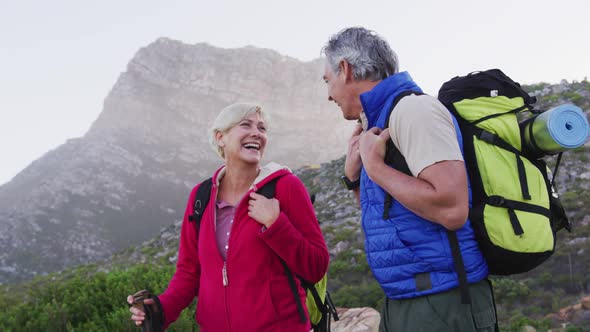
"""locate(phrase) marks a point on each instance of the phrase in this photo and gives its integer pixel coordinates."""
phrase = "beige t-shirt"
(422, 129)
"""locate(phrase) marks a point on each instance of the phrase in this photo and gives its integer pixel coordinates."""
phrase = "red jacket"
(254, 295)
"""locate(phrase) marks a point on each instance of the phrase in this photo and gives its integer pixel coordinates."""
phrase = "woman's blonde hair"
(229, 117)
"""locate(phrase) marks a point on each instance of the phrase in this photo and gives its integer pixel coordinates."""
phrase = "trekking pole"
(331, 306)
(153, 318)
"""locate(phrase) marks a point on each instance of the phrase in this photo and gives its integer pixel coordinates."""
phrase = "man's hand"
(353, 164)
(373, 143)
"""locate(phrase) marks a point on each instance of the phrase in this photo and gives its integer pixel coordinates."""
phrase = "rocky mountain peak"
(130, 174)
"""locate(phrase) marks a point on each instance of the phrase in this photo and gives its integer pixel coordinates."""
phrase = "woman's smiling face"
(246, 140)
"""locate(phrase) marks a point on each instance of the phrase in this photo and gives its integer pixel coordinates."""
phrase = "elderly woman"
(233, 265)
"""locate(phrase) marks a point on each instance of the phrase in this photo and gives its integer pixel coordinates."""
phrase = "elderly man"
(415, 202)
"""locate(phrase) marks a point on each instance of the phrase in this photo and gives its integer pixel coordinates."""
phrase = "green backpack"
(318, 301)
(515, 212)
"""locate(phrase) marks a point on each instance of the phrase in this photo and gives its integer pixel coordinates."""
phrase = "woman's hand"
(136, 309)
(263, 210)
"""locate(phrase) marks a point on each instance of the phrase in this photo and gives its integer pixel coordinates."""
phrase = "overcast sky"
(59, 59)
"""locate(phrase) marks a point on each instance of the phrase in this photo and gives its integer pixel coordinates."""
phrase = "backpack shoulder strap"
(459, 267)
(204, 194)
(200, 202)
(268, 190)
(316, 296)
(293, 287)
(393, 156)
(396, 101)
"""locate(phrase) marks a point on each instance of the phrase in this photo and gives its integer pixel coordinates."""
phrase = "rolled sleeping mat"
(559, 129)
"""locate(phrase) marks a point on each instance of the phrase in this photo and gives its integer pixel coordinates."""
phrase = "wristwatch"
(350, 185)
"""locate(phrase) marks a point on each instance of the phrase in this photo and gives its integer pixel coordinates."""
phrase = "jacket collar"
(266, 174)
(374, 100)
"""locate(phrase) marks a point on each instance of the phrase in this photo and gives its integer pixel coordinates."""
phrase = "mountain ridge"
(130, 173)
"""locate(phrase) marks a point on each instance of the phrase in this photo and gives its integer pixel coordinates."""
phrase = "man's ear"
(346, 70)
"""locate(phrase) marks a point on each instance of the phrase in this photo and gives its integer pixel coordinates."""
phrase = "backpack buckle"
(197, 210)
(496, 200)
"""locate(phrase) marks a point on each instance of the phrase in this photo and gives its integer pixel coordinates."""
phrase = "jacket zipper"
(225, 279)
(224, 269)
(227, 310)
(225, 290)
(224, 274)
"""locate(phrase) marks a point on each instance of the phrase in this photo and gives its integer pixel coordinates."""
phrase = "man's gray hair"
(369, 54)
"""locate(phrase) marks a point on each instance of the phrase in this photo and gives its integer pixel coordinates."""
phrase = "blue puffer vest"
(409, 256)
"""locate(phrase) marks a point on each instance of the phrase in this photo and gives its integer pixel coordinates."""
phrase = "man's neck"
(364, 86)
(361, 87)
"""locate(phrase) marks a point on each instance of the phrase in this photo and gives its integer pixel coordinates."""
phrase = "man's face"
(340, 91)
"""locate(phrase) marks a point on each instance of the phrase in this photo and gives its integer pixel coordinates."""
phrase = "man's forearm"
(443, 206)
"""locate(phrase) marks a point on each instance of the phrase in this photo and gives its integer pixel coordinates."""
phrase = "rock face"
(577, 314)
(130, 174)
(357, 320)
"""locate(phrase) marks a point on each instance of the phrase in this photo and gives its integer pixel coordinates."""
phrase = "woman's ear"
(219, 139)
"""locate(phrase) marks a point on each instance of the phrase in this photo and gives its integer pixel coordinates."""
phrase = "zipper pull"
(224, 273)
